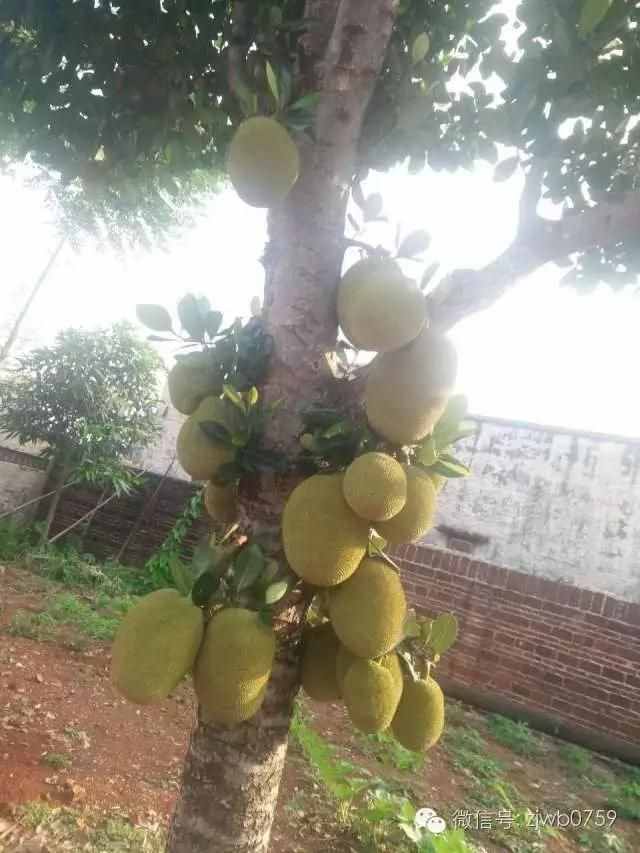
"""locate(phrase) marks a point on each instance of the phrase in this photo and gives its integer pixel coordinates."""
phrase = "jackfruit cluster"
(189, 385)
(263, 162)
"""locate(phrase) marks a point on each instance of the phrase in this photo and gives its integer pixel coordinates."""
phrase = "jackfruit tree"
(316, 463)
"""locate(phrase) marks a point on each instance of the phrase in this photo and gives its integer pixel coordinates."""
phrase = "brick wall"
(566, 657)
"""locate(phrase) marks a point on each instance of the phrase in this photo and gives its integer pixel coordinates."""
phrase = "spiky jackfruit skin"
(416, 517)
(199, 455)
(379, 308)
(419, 720)
(263, 162)
(391, 663)
(407, 390)
(156, 645)
(344, 659)
(375, 486)
(370, 696)
(368, 610)
(188, 386)
(318, 667)
(234, 665)
(324, 540)
(220, 502)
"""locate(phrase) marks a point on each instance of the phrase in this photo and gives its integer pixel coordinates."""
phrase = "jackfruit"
(407, 390)
(375, 486)
(319, 652)
(220, 502)
(234, 665)
(368, 610)
(189, 385)
(156, 645)
(324, 540)
(344, 659)
(199, 455)
(416, 517)
(379, 308)
(370, 696)
(419, 720)
(391, 662)
(438, 481)
(263, 162)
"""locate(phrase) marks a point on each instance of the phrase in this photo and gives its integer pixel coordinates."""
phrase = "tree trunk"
(59, 474)
(231, 776)
(15, 330)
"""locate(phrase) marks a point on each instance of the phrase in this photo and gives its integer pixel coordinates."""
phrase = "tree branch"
(538, 241)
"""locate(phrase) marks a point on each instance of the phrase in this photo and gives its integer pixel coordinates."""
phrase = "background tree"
(89, 399)
(134, 106)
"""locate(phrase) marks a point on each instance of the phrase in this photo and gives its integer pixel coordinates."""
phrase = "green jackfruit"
(156, 645)
(324, 540)
(391, 663)
(379, 308)
(263, 162)
(417, 515)
(234, 665)
(407, 390)
(368, 610)
(370, 696)
(199, 455)
(419, 720)
(188, 386)
(319, 652)
(375, 486)
(220, 502)
(344, 659)
(438, 480)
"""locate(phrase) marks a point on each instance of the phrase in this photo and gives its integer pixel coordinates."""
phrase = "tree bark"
(59, 473)
(15, 329)
(232, 775)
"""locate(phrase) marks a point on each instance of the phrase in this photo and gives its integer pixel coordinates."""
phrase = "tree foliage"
(134, 104)
(89, 398)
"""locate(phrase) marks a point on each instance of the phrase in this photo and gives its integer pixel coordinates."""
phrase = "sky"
(543, 353)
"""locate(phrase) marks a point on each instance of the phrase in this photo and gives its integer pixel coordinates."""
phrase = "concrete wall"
(22, 477)
(561, 504)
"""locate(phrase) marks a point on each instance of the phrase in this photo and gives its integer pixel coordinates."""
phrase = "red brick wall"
(543, 645)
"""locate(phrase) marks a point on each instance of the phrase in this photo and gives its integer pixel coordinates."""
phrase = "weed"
(67, 609)
(57, 760)
(576, 759)
(92, 832)
(16, 539)
(597, 841)
(388, 751)
(517, 736)
(468, 750)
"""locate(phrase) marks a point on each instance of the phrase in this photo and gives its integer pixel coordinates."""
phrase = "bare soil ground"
(67, 739)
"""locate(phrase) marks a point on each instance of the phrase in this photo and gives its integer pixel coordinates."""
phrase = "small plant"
(387, 750)
(67, 609)
(16, 539)
(56, 760)
(577, 759)
(158, 567)
(517, 736)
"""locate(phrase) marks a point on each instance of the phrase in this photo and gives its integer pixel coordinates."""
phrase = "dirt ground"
(66, 737)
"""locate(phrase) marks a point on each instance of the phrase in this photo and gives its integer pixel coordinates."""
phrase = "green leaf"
(154, 317)
(307, 103)
(593, 13)
(377, 544)
(276, 591)
(247, 567)
(505, 169)
(420, 48)
(444, 632)
(191, 316)
(272, 80)
(339, 428)
(450, 467)
(182, 577)
(213, 321)
(251, 396)
(414, 244)
(216, 432)
(412, 627)
(204, 588)
(427, 452)
(204, 557)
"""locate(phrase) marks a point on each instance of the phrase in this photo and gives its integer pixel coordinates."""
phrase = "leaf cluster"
(432, 453)
(329, 441)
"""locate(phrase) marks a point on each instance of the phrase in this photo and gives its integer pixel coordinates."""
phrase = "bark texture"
(232, 775)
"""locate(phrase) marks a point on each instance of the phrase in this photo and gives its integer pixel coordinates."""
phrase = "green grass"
(469, 752)
(98, 620)
(516, 736)
(16, 539)
(91, 832)
(386, 749)
(57, 760)
(576, 759)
